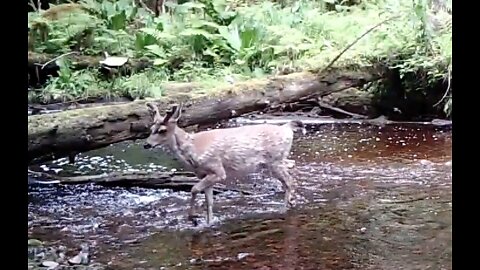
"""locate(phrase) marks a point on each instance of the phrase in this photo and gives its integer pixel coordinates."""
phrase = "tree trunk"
(59, 134)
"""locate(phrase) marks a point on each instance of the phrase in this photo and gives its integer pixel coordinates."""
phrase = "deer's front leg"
(209, 200)
(191, 210)
(206, 185)
(202, 185)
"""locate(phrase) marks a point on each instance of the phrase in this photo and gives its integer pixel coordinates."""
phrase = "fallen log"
(353, 101)
(42, 66)
(177, 181)
(58, 134)
(82, 61)
(380, 121)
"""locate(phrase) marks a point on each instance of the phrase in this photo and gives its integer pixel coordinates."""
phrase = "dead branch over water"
(183, 181)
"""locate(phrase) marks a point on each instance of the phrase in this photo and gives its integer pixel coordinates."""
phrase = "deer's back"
(244, 149)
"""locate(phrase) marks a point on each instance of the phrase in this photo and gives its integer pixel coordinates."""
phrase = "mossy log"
(60, 134)
(83, 61)
(178, 181)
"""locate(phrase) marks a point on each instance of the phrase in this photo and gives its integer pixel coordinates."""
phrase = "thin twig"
(338, 110)
(58, 57)
(30, 3)
(356, 40)
(448, 87)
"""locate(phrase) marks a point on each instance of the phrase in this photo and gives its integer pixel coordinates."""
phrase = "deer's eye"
(160, 130)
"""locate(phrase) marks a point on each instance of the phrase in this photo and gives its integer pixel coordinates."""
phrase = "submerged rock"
(81, 258)
(50, 264)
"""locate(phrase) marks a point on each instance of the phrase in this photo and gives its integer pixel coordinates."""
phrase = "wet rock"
(441, 122)
(96, 266)
(81, 258)
(195, 261)
(80, 267)
(40, 256)
(425, 162)
(61, 254)
(34, 243)
(242, 255)
(50, 264)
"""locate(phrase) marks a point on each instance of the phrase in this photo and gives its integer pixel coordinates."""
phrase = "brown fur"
(218, 154)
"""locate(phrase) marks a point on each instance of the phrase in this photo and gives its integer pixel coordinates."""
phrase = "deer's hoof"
(193, 216)
(290, 203)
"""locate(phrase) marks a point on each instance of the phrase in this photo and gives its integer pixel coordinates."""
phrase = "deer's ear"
(177, 112)
(153, 109)
(150, 106)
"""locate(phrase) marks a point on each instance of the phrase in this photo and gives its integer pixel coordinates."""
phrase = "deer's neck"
(182, 146)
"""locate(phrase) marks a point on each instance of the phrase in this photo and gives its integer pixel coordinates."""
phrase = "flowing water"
(368, 198)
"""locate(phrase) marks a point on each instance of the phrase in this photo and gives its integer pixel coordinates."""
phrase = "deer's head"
(163, 127)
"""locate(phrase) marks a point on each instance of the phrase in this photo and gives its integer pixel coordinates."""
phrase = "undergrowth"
(212, 41)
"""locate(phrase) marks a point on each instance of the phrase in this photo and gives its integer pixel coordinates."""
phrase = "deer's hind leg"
(280, 170)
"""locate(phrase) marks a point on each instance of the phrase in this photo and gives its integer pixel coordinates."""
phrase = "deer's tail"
(296, 124)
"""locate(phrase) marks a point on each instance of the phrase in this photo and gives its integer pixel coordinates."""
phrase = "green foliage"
(70, 84)
(209, 39)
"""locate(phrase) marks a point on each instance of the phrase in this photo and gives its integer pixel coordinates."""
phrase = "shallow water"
(367, 198)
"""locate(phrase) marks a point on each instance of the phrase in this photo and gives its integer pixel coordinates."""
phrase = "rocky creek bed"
(369, 197)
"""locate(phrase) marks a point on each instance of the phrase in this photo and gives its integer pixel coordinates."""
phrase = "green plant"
(208, 40)
(142, 85)
(70, 84)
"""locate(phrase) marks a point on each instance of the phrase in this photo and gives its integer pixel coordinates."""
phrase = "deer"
(233, 152)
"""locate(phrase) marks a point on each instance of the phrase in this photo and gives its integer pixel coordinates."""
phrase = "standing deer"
(218, 154)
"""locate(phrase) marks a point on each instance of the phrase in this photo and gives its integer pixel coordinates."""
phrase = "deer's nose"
(147, 146)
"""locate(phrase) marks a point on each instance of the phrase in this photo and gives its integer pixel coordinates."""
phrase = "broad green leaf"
(160, 36)
(231, 36)
(159, 62)
(200, 23)
(249, 37)
(142, 40)
(196, 32)
(210, 52)
(133, 13)
(155, 49)
(118, 21)
(240, 62)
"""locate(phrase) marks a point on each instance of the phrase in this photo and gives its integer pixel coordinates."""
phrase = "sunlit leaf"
(232, 36)
(159, 62)
(155, 49)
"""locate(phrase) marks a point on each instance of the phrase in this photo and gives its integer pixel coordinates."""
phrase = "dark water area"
(367, 198)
